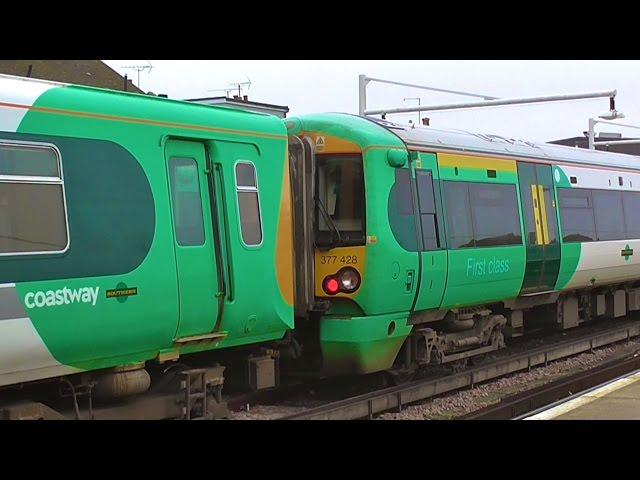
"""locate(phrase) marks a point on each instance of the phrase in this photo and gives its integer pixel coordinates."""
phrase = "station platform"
(615, 400)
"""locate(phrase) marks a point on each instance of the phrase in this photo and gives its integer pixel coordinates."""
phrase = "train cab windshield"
(340, 207)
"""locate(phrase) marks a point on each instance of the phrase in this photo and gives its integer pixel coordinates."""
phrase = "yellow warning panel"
(330, 262)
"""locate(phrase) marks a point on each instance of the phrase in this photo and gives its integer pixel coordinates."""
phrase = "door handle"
(408, 286)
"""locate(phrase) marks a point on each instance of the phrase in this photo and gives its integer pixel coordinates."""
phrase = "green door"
(193, 238)
(541, 227)
(433, 255)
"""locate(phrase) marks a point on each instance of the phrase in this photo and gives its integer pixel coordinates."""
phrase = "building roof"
(93, 73)
(244, 103)
(583, 142)
(239, 101)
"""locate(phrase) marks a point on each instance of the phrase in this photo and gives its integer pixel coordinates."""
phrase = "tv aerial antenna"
(240, 86)
(140, 68)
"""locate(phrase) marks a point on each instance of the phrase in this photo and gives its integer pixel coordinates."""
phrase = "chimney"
(236, 97)
(245, 98)
(125, 82)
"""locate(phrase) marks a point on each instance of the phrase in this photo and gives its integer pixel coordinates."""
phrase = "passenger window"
(631, 202)
(576, 211)
(458, 215)
(33, 215)
(248, 203)
(494, 210)
(482, 215)
(28, 160)
(610, 223)
(187, 202)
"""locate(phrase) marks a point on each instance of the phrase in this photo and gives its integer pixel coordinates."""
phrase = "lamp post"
(613, 114)
(414, 98)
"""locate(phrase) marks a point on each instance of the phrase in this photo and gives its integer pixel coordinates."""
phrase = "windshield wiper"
(330, 222)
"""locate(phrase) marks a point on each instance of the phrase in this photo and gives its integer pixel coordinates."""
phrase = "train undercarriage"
(456, 337)
(187, 389)
(177, 390)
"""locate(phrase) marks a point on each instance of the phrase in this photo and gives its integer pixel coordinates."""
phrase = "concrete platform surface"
(618, 400)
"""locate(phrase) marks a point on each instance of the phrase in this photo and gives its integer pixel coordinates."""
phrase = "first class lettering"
(481, 267)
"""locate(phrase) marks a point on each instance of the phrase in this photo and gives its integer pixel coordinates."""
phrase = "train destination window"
(427, 204)
(610, 223)
(576, 211)
(248, 203)
(187, 202)
(340, 200)
(482, 215)
(32, 206)
(631, 204)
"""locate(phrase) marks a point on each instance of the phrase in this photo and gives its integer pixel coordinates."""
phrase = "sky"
(314, 86)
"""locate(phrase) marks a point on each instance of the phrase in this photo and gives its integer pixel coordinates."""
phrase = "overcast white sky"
(332, 86)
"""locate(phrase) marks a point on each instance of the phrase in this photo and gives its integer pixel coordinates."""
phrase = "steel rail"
(370, 404)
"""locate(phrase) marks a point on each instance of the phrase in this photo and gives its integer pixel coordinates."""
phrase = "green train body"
(134, 259)
(461, 235)
(136, 229)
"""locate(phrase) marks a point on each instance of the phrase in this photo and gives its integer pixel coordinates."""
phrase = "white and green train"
(138, 232)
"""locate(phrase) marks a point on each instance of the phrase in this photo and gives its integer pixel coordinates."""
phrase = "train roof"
(461, 140)
(56, 97)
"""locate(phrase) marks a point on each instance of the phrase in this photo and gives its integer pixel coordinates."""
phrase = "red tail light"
(331, 286)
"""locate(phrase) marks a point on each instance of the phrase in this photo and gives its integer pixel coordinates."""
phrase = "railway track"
(523, 404)
(395, 398)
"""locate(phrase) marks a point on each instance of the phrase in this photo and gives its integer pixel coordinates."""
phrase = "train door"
(429, 224)
(193, 238)
(541, 227)
(302, 168)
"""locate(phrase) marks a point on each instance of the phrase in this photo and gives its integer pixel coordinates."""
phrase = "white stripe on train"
(21, 91)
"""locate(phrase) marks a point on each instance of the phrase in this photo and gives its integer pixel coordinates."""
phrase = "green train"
(138, 232)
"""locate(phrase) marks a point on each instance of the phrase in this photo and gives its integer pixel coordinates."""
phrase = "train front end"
(352, 301)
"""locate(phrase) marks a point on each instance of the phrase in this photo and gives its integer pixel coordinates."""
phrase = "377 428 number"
(344, 259)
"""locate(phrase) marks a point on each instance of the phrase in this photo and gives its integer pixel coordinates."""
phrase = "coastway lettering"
(64, 296)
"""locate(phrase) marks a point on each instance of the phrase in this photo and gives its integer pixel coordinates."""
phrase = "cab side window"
(427, 203)
(248, 203)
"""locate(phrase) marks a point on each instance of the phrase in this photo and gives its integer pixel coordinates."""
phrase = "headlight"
(349, 280)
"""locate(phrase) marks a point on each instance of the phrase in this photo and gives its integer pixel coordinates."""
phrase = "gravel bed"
(459, 403)
(465, 401)
(265, 412)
